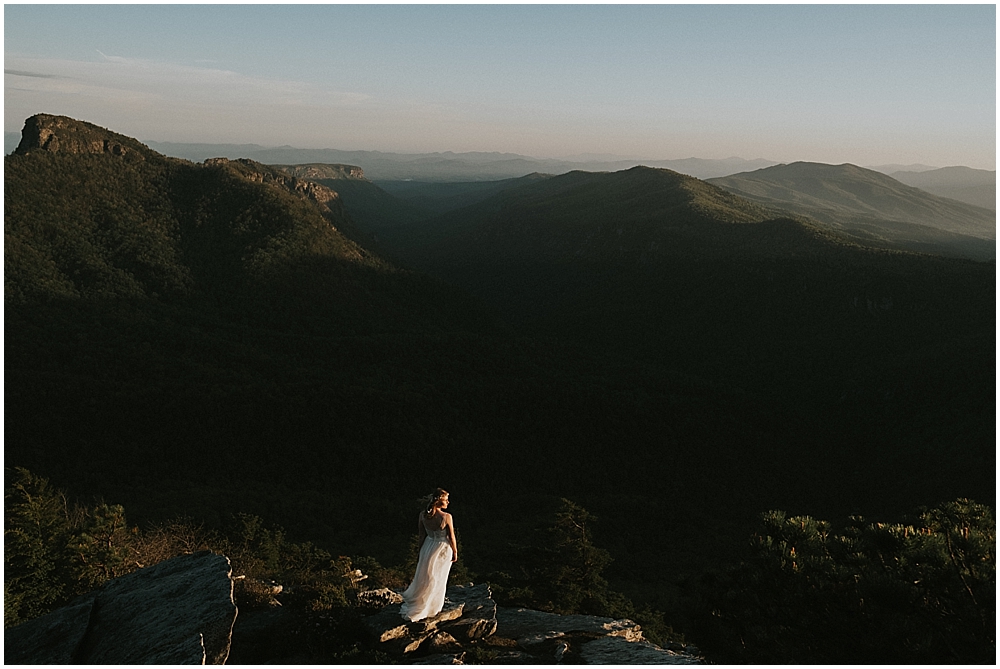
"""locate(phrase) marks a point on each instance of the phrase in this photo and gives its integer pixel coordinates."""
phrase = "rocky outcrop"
(570, 638)
(619, 650)
(179, 611)
(327, 198)
(324, 171)
(471, 620)
(61, 134)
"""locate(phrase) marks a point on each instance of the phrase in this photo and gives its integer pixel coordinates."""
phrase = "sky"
(865, 84)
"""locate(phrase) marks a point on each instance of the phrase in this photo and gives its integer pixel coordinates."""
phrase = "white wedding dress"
(425, 596)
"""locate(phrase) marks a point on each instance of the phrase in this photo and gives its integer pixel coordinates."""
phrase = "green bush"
(873, 592)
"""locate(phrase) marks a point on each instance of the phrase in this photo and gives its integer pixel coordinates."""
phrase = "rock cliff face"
(61, 134)
(324, 171)
(327, 198)
(180, 611)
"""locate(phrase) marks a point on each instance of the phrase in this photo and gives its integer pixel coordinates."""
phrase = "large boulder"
(180, 611)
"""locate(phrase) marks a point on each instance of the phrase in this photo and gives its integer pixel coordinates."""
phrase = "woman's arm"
(449, 523)
(421, 530)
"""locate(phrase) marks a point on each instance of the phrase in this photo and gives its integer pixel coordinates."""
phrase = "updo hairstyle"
(431, 500)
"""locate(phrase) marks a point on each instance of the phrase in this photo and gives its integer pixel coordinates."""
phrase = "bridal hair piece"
(432, 499)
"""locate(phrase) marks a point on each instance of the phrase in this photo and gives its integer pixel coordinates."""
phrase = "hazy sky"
(847, 83)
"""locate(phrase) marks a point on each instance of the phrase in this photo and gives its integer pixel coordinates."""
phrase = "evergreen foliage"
(53, 552)
(560, 570)
(872, 592)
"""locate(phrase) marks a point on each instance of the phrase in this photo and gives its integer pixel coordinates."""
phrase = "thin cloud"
(37, 75)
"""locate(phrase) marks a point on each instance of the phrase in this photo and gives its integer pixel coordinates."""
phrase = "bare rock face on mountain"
(180, 611)
(61, 134)
(326, 198)
(324, 171)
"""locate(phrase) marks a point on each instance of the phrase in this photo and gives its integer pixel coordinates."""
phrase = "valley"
(312, 345)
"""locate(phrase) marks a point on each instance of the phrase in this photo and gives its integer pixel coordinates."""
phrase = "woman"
(425, 596)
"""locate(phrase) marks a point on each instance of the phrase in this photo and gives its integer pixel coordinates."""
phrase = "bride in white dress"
(425, 596)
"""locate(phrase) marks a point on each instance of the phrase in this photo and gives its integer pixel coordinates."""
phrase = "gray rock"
(532, 626)
(388, 624)
(619, 650)
(469, 613)
(54, 638)
(442, 642)
(402, 636)
(148, 615)
(179, 611)
(479, 613)
(377, 599)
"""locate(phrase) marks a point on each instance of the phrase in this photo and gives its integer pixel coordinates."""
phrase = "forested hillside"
(872, 208)
(208, 340)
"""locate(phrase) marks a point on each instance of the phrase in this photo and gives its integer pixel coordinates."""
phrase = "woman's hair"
(431, 500)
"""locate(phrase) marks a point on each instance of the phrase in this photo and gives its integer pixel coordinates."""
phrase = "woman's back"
(436, 524)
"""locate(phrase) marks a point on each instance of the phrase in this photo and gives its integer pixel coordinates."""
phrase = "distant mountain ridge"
(976, 187)
(449, 166)
(870, 206)
(635, 216)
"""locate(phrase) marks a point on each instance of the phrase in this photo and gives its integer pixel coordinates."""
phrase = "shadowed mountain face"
(871, 207)
(634, 217)
(689, 274)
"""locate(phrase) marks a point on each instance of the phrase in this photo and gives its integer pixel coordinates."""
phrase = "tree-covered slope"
(675, 270)
(872, 207)
(91, 214)
(637, 217)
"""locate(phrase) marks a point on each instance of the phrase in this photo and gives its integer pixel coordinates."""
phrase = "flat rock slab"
(538, 625)
(618, 650)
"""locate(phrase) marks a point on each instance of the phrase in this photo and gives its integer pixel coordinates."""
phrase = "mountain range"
(293, 341)
(448, 166)
(871, 207)
(978, 187)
